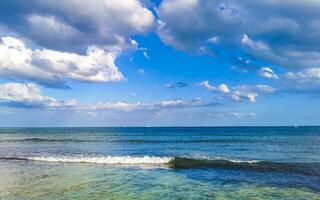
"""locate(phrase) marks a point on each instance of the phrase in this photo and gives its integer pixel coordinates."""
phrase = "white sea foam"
(123, 160)
(224, 158)
(107, 160)
(243, 161)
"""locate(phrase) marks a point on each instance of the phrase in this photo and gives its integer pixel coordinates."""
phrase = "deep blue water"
(178, 162)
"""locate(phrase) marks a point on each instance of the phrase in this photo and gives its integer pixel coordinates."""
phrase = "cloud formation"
(221, 88)
(284, 33)
(238, 93)
(28, 95)
(151, 106)
(267, 72)
(304, 75)
(44, 27)
(74, 25)
(78, 40)
(249, 92)
(304, 81)
(51, 68)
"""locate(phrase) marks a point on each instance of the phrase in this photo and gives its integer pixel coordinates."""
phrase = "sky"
(159, 63)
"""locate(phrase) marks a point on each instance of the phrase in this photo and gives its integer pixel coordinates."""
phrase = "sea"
(160, 163)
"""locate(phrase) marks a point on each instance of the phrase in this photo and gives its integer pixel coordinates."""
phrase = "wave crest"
(106, 159)
(178, 163)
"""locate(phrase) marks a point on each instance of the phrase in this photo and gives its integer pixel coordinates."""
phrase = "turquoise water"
(160, 163)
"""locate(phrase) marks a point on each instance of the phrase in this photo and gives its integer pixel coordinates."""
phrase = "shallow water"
(160, 163)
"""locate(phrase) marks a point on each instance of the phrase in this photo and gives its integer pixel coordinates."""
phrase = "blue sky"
(159, 63)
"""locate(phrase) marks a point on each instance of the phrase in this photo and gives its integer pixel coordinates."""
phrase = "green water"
(133, 163)
(25, 180)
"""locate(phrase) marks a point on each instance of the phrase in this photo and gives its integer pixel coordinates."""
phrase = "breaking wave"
(107, 160)
(178, 163)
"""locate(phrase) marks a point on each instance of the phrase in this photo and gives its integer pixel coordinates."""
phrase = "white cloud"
(47, 66)
(301, 58)
(145, 54)
(207, 85)
(140, 71)
(259, 50)
(255, 45)
(120, 106)
(238, 93)
(214, 40)
(264, 89)
(28, 95)
(259, 29)
(76, 24)
(221, 88)
(77, 40)
(151, 106)
(111, 20)
(250, 92)
(304, 75)
(224, 88)
(303, 81)
(267, 72)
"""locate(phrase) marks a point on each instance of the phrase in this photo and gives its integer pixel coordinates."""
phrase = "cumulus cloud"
(304, 75)
(222, 87)
(302, 81)
(28, 95)
(209, 19)
(48, 67)
(77, 40)
(284, 33)
(74, 25)
(267, 72)
(238, 93)
(250, 92)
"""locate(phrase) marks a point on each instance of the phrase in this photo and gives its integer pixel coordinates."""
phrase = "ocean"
(160, 163)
